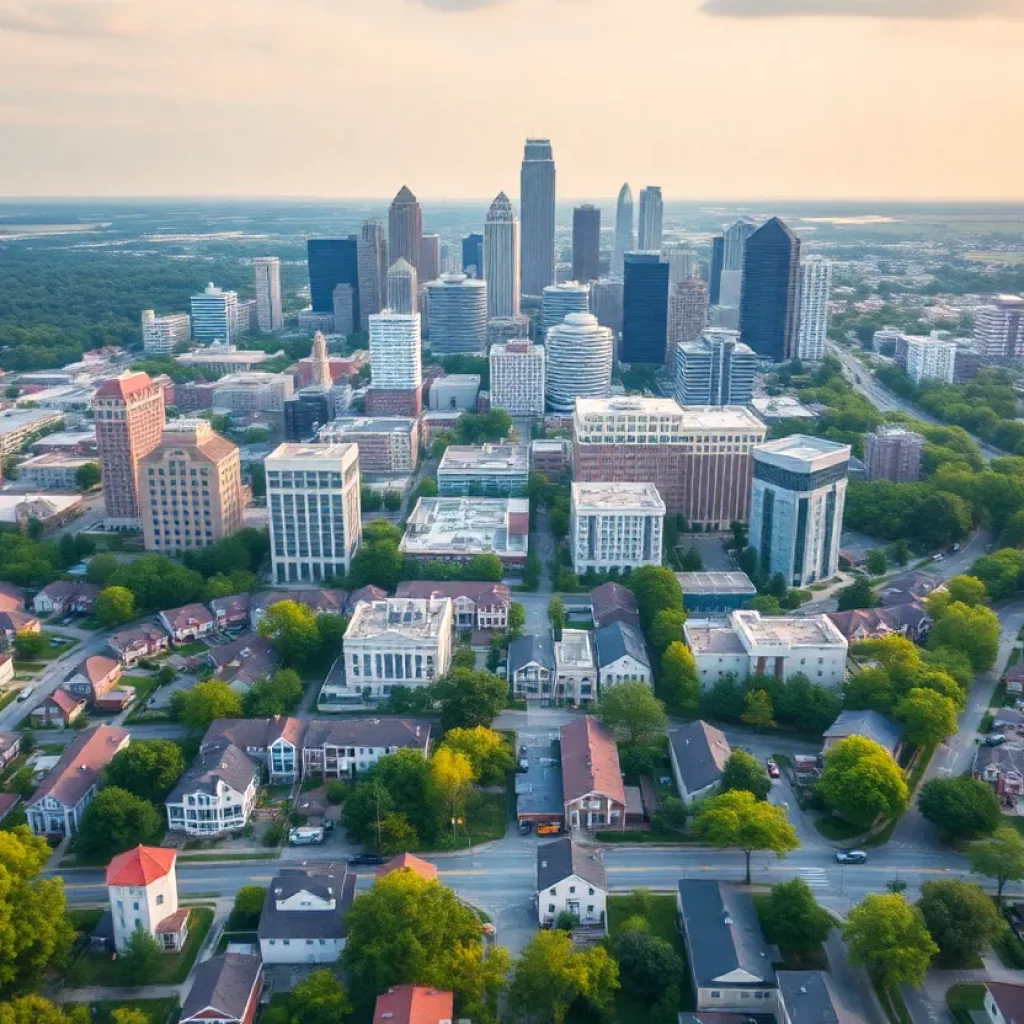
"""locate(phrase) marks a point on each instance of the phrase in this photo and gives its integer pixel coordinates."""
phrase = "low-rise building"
(222, 358)
(64, 597)
(698, 753)
(19, 426)
(612, 602)
(459, 529)
(475, 605)
(810, 997)
(550, 457)
(15, 623)
(615, 526)
(873, 725)
(414, 1004)
(253, 392)
(454, 391)
(387, 444)
(576, 675)
(92, 678)
(10, 747)
(593, 794)
(910, 620)
(621, 655)
(217, 793)
(1004, 1003)
(132, 645)
(56, 711)
(190, 622)
(490, 470)
(531, 668)
(53, 470)
(720, 592)
(571, 879)
(1002, 768)
(225, 990)
(142, 888)
(409, 862)
(244, 661)
(230, 612)
(303, 917)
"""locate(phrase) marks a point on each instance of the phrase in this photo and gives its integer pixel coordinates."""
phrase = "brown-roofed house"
(407, 861)
(226, 990)
(132, 645)
(612, 602)
(64, 597)
(11, 598)
(189, 622)
(414, 1004)
(244, 661)
(1004, 1003)
(230, 612)
(56, 711)
(14, 623)
(92, 678)
(592, 790)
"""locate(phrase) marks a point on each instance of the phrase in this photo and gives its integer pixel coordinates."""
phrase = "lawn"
(961, 999)
(486, 819)
(57, 649)
(9, 695)
(187, 650)
(1010, 950)
(157, 1011)
(836, 829)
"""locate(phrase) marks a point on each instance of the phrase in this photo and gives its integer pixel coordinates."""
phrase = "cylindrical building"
(579, 361)
(458, 314)
(559, 300)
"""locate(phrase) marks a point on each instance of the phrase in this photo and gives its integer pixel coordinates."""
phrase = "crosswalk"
(816, 878)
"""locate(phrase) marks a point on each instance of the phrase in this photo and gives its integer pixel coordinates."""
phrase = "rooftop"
(217, 762)
(224, 984)
(539, 788)
(308, 452)
(802, 448)
(367, 425)
(141, 866)
(618, 497)
(618, 639)
(16, 419)
(409, 862)
(414, 1004)
(574, 650)
(411, 617)
(468, 526)
(747, 632)
(872, 725)
(689, 417)
(558, 860)
(715, 583)
(590, 761)
(490, 458)
(810, 998)
(700, 751)
(79, 766)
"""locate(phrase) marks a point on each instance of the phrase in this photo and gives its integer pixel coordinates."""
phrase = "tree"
(975, 631)
(758, 711)
(806, 706)
(128, 1015)
(317, 998)
(725, 699)
(678, 685)
(655, 589)
(452, 774)
(967, 590)
(889, 937)
(1001, 572)
(549, 977)
(488, 753)
(29, 646)
(292, 628)
(765, 604)
(691, 561)
(365, 809)
(378, 563)
(115, 605)
(857, 595)
(899, 552)
(467, 699)
(397, 834)
(632, 707)
(87, 476)
(139, 962)
(961, 918)
(115, 821)
(862, 781)
(744, 771)
(1001, 857)
(666, 629)
(962, 807)
(281, 694)
(147, 768)
(101, 568)
(409, 780)
(869, 689)
(248, 906)
(516, 620)
(531, 572)
(392, 500)
(332, 637)
(207, 701)
(929, 717)
(673, 813)
(792, 919)
(484, 568)
(647, 965)
(556, 616)
(37, 1010)
(738, 819)
(877, 563)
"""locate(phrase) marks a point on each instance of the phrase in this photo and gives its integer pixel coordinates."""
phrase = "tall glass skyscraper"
(537, 216)
(405, 229)
(332, 261)
(768, 304)
(644, 309)
(501, 260)
(586, 243)
(650, 219)
(715, 272)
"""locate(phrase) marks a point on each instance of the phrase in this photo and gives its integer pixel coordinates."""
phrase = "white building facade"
(457, 307)
(517, 378)
(395, 362)
(999, 328)
(716, 370)
(215, 315)
(579, 354)
(812, 312)
(162, 334)
(616, 525)
(501, 260)
(559, 300)
(269, 317)
(142, 889)
(930, 358)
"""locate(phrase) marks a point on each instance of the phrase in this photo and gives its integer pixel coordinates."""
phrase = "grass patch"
(836, 829)
(187, 650)
(892, 1003)
(486, 817)
(961, 999)
(156, 1011)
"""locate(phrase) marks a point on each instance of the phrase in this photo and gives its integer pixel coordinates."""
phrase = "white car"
(26, 693)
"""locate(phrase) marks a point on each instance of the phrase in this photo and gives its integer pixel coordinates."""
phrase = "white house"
(143, 890)
(531, 668)
(571, 878)
(621, 655)
(303, 917)
(216, 795)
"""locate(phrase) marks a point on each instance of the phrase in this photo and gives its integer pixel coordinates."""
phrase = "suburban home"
(697, 752)
(910, 620)
(613, 602)
(190, 622)
(56, 711)
(409, 862)
(621, 655)
(243, 661)
(10, 748)
(476, 605)
(531, 668)
(92, 678)
(142, 888)
(1004, 1003)
(303, 917)
(320, 602)
(225, 990)
(885, 731)
(8, 801)
(1014, 678)
(11, 598)
(57, 805)
(230, 612)
(6, 669)
(275, 743)
(13, 623)
(64, 597)
(810, 997)
(414, 1004)
(575, 668)
(730, 963)
(1002, 768)
(571, 879)
(592, 791)
(368, 593)
(132, 645)
(216, 795)
(911, 586)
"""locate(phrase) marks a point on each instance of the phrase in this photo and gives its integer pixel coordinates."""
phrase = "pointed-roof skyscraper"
(625, 240)
(768, 304)
(501, 259)
(405, 228)
(537, 214)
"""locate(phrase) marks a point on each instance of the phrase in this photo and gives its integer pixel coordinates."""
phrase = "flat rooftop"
(554, 445)
(802, 448)
(57, 503)
(487, 458)
(16, 419)
(411, 617)
(252, 357)
(55, 460)
(66, 439)
(619, 497)
(468, 526)
(368, 425)
(539, 788)
(688, 417)
(715, 583)
(461, 379)
(304, 452)
(746, 632)
(574, 650)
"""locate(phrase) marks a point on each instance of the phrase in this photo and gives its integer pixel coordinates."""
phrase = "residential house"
(142, 888)
(63, 597)
(368, 593)
(730, 963)
(575, 668)
(6, 669)
(571, 879)
(613, 602)
(910, 620)
(810, 997)
(10, 748)
(133, 645)
(1004, 1003)
(911, 586)
(476, 605)
(320, 602)
(189, 622)
(274, 743)
(621, 655)
(873, 725)
(414, 1004)
(1014, 678)
(243, 661)
(230, 612)
(303, 918)
(11, 598)
(8, 801)
(56, 711)
(697, 752)
(14, 623)
(531, 668)
(58, 804)
(593, 794)
(1002, 768)
(409, 862)
(225, 990)
(92, 678)
(216, 795)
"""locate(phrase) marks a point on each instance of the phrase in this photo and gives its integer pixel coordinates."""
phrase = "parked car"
(995, 739)
(773, 768)
(305, 836)
(366, 858)
(26, 693)
(851, 856)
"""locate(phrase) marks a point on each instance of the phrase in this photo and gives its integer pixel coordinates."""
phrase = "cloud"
(932, 10)
(71, 17)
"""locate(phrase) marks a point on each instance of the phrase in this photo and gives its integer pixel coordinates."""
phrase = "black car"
(366, 858)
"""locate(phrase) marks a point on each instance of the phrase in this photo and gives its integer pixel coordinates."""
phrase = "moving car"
(26, 693)
(366, 858)
(851, 856)
(773, 768)
(995, 739)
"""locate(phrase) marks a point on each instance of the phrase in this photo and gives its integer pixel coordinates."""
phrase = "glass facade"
(332, 261)
(768, 303)
(644, 309)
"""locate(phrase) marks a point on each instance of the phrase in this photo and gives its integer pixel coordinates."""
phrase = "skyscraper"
(644, 309)
(999, 328)
(396, 375)
(586, 243)
(458, 314)
(625, 240)
(715, 270)
(322, 377)
(405, 228)
(372, 260)
(215, 315)
(501, 259)
(402, 290)
(344, 309)
(735, 241)
(681, 266)
(812, 318)
(332, 261)
(517, 378)
(893, 453)
(687, 313)
(559, 300)
(579, 361)
(268, 293)
(473, 255)
(768, 306)
(430, 258)
(537, 215)
(162, 334)
(650, 219)
(715, 370)
(606, 302)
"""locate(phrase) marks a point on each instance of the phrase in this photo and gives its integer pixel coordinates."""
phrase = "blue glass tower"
(332, 261)
(768, 302)
(644, 308)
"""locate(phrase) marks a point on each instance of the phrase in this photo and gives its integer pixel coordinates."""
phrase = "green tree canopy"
(318, 998)
(489, 754)
(467, 699)
(115, 605)
(37, 1010)
(115, 821)
(960, 807)
(889, 937)
(147, 768)
(281, 694)
(792, 919)
(87, 476)
(975, 631)
(1001, 857)
(677, 684)
(655, 589)
(961, 919)
(292, 628)
(929, 717)
(633, 709)
(744, 771)
(207, 701)
(857, 595)
(666, 629)
(862, 781)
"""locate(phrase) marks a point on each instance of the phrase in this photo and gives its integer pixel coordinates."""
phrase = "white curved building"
(579, 361)
(501, 259)
(458, 314)
(559, 300)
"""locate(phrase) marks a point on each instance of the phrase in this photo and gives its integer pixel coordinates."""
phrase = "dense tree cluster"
(796, 703)
(861, 781)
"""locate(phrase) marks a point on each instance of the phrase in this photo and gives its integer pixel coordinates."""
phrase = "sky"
(728, 99)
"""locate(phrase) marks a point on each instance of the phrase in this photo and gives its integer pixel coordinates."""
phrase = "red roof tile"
(124, 386)
(406, 860)
(141, 866)
(413, 1004)
(590, 761)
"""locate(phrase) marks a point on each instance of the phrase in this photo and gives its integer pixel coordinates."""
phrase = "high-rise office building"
(501, 260)
(644, 309)
(606, 302)
(812, 316)
(796, 507)
(305, 412)
(559, 300)
(190, 488)
(579, 361)
(715, 269)
(681, 266)
(215, 315)
(715, 370)
(161, 335)
(402, 288)
(649, 226)
(537, 216)
(405, 229)
(313, 504)
(625, 240)
(735, 243)
(372, 260)
(517, 378)
(430, 258)
(768, 306)
(396, 374)
(332, 261)
(344, 309)
(129, 414)
(687, 312)
(458, 314)
(999, 328)
(586, 243)
(893, 453)
(473, 255)
(269, 317)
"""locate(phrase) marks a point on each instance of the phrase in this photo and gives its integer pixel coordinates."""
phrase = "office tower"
(473, 255)
(644, 309)
(517, 378)
(129, 413)
(885, 341)
(537, 215)
(681, 266)
(246, 315)
(305, 412)
(269, 317)
(715, 270)
(929, 357)
(735, 243)
(768, 306)
(396, 376)
(344, 309)
(579, 355)
(161, 335)
(893, 453)
(559, 300)
(999, 328)
(215, 315)
(190, 488)
(405, 229)
(796, 508)
(606, 302)
(332, 261)
(586, 243)
(313, 501)
(715, 370)
(458, 314)
(501, 260)
(372, 266)
(649, 225)
(625, 240)
(812, 316)
(615, 526)
(451, 258)
(430, 258)
(687, 313)
(402, 288)
(322, 377)
(699, 458)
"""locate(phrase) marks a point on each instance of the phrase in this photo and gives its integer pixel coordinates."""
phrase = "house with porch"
(593, 794)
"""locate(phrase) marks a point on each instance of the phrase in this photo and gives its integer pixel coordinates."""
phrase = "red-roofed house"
(143, 891)
(57, 711)
(592, 789)
(422, 867)
(414, 1004)
(190, 622)
(14, 623)
(90, 679)
(11, 598)
(132, 645)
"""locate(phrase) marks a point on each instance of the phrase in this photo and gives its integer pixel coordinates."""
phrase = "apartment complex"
(687, 312)
(615, 526)
(716, 370)
(580, 353)
(161, 335)
(53, 471)
(457, 307)
(215, 315)
(893, 453)
(812, 314)
(458, 529)
(387, 444)
(253, 392)
(267, 270)
(929, 358)
(560, 300)
(999, 328)
(491, 470)
(396, 368)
